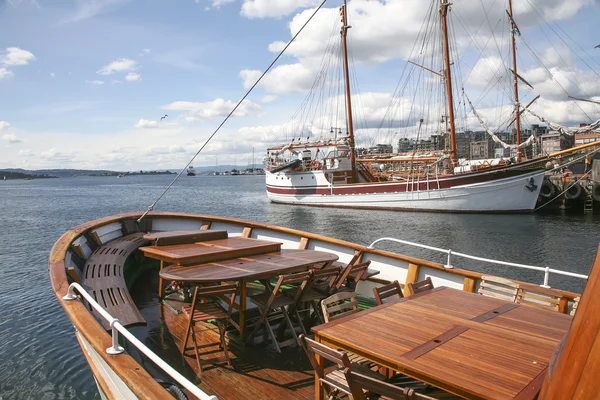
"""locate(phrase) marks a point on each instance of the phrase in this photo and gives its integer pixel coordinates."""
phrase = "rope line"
(151, 207)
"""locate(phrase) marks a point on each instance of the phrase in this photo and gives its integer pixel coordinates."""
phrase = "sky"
(85, 83)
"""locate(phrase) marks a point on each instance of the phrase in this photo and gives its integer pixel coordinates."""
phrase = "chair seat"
(280, 300)
(205, 312)
(337, 379)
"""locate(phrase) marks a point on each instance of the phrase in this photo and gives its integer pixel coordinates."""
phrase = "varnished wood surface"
(256, 372)
(214, 250)
(434, 336)
(248, 268)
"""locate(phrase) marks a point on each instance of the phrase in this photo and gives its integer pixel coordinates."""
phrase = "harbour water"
(39, 355)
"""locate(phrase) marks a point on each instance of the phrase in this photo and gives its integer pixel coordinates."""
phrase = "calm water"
(39, 355)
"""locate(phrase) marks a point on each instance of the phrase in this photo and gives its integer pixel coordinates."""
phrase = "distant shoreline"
(12, 174)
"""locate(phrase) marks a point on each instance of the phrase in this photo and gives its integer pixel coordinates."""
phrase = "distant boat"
(191, 171)
(4, 177)
(121, 176)
(235, 172)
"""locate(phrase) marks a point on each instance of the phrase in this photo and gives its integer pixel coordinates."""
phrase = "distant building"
(481, 149)
(584, 138)
(553, 141)
(381, 149)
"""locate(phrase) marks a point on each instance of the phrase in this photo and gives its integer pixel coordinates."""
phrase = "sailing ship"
(191, 171)
(328, 171)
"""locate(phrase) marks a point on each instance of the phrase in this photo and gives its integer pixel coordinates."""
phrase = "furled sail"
(495, 137)
(593, 127)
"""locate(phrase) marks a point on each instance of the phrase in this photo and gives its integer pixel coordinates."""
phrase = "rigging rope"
(151, 207)
(593, 127)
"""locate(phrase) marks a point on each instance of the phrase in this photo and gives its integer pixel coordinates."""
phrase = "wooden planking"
(214, 250)
(247, 232)
(166, 238)
(413, 274)
(257, 372)
(303, 243)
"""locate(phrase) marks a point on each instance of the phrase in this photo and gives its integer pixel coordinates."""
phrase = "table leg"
(160, 281)
(319, 371)
(242, 311)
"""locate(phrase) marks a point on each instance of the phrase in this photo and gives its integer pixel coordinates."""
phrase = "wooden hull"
(492, 192)
(121, 376)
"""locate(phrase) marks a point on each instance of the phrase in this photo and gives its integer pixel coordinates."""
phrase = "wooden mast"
(444, 5)
(344, 33)
(513, 28)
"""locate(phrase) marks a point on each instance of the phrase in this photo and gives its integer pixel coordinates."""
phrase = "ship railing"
(115, 349)
(546, 270)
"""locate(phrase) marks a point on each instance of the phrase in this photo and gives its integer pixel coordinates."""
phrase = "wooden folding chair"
(334, 382)
(389, 290)
(532, 297)
(360, 385)
(198, 311)
(575, 305)
(320, 286)
(418, 287)
(339, 305)
(273, 306)
(499, 288)
(350, 276)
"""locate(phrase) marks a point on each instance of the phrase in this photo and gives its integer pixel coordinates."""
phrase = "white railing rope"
(547, 270)
(116, 349)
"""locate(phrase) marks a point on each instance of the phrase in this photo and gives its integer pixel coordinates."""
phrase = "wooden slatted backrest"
(327, 276)
(573, 373)
(575, 305)
(499, 288)
(359, 383)
(301, 278)
(418, 287)
(339, 305)
(538, 299)
(389, 290)
(357, 270)
(313, 348)
(217, 291)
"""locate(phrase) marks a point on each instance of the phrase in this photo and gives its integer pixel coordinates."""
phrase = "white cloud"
(11, 138)
(95, 82)
(52, 74)
(14, 56)
(121, 65)
(5, 73)
(216, 4)
(287, 78)
(217, 108)
(146, 51)
(132, 76)
(56, 155)
(3, 125)
(269, 98)
(273, 8)
(26, 153)
(150, 124)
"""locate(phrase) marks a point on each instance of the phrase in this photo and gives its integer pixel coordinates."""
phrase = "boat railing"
(547, 270)
(115, 349)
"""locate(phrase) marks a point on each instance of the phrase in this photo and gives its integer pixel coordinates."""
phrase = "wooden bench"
(103, 277)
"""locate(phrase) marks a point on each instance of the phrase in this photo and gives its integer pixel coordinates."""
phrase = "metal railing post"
(449, 263)
(115, 348)
(546, 278)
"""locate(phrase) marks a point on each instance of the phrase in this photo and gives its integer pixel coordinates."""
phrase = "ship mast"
(444, 5)
(344, 33)
(513, 28)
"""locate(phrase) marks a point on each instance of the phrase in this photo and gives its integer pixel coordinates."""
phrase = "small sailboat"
(191, 171)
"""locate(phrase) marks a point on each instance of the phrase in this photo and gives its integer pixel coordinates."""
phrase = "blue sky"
(83, 83)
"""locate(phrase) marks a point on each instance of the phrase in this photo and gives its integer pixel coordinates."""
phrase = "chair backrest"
(313, 348)
(575, 305)
(339, 305)
(389, 290)
(499, 288)
(418, 287)
(538, 299)
(356, 270)
(218, 291)
(301, 278)
(358, 383)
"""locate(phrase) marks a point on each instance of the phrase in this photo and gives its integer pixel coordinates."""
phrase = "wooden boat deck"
(256, 372)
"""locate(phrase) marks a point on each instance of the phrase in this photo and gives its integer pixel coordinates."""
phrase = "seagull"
(165, 116)
(597, 47)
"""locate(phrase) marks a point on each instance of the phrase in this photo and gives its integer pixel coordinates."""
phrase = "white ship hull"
(512, 194)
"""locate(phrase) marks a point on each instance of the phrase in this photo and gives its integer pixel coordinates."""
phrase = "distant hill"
(19, 173)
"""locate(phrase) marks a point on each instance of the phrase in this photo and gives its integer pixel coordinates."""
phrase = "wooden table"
(206, 251)
(470, 345)
(244, 269)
